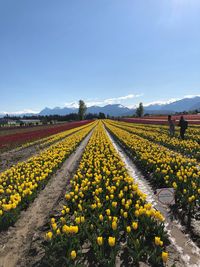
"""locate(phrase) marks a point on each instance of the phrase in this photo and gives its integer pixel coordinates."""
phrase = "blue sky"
(53, 53)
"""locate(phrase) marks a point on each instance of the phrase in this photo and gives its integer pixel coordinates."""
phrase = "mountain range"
(185, 104)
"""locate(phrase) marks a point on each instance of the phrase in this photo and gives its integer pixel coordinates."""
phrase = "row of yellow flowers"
(105, 218)
(192, 133)
(20, 184)
(188, 147)
(46, 141)
(167, 168)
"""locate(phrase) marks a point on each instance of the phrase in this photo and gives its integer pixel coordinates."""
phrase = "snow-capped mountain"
(185, 104)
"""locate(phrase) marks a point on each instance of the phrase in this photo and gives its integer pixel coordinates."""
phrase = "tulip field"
(168, 168)
(162, 120)
(16, 137)
(190, 146)
(103, 217)
(104, 209)
(19, 184)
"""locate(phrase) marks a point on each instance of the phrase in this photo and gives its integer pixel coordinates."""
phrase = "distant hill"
(185, 104)
(57, 111)
(112, 110)
(196, 106)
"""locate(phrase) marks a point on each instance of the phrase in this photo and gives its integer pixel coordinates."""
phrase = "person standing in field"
(183, 124)
(171, 126)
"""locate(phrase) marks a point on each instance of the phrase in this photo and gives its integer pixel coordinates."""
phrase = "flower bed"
(20, 184)
(53, 138)
(192, 133)
(12, 140)
(167, 169)
(189, 147)
(105, 219)
(162, 120)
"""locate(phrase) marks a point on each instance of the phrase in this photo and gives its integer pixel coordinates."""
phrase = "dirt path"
(16, 242)
(183, 251)
(12, 157)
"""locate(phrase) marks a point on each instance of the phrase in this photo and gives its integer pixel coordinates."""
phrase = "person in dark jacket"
(183, 124)
(171, 126)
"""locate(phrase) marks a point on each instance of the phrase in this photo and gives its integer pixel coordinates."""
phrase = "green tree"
(102, 115)
(82, 109)
(140, 110)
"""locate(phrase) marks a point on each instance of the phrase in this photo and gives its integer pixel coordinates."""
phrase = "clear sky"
(53, 53)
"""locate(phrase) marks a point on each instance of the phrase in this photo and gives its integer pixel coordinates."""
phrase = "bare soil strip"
(182, 251)
(16, 242)
(12, 157)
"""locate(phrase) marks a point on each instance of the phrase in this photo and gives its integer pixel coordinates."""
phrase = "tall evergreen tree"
(140, 110)
(82, 109)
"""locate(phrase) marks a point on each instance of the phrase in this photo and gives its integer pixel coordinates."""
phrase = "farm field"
(85, 197)
(20, 183)
(194, 120)
(100, 133)
(17, 136)
(24, 151)
(190, 146)
(168, 167)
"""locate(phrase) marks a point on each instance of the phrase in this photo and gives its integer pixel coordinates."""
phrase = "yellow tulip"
(99, 240)
(73, 254)
(135, 225)
(111, 241)
(128, 229)
(49, 235)
(125, 214)
(114, 225)
(158, 242)
(108, 212)
(164, 256)
(101, 217)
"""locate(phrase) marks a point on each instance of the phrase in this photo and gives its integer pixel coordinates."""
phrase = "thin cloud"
(71, 104)
(19, 112)
(108, 101)
(162, 102)
(171, 100)
(123, 98)
(190, 96)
